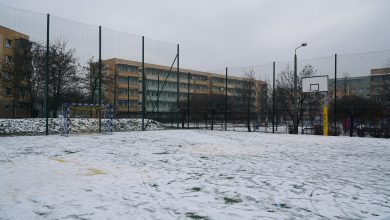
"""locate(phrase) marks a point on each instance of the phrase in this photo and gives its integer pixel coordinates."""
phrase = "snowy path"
(194, 174)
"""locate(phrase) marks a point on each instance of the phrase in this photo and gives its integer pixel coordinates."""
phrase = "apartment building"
(15, 68)
(128, 80)
(375, 86)
(380, 85)
(351, 86)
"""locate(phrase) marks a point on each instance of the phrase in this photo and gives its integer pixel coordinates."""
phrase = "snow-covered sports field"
(184, 174)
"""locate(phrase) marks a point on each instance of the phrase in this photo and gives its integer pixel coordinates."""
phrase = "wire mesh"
(138, 77)
(162, 85)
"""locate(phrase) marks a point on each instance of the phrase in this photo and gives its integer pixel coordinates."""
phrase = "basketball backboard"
(315, 84)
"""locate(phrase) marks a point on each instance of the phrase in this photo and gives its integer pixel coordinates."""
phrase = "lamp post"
(295, 119)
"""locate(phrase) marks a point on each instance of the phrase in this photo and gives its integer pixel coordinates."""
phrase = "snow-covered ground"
(184, 174)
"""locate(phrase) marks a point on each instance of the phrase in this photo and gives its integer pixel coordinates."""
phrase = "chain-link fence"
(47, 61)
(356, 104)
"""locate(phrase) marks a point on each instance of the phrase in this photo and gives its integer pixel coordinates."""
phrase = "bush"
(361, 132)
(318, 130)
(386, 133)
(376, 132)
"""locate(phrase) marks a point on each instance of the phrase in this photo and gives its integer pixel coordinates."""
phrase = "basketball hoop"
(317, 84)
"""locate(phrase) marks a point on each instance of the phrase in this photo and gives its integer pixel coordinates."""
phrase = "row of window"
(161, 104)
(172, 74)
(132, 92)
(155, 83)
(218, 80)
(163, 95)
(127, 68)
(23, 91)
(9, 76)
(124, 103)
(173, 85)
(381, 78)
(122, 79)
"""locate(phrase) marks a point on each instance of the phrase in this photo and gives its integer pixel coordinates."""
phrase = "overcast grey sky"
(217, 33)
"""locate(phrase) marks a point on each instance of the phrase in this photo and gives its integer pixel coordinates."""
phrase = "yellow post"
(325, 117)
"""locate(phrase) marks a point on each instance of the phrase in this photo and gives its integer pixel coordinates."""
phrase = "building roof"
(149, 65)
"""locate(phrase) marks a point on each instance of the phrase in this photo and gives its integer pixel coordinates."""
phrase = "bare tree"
(285, 91)
(64, 78)
(91, 79)
(247, 93)
(346, 77)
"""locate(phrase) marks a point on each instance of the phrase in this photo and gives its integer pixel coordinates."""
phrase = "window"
(8, 59)
(122, 79)
(23, 92)
(132, 92)
(7, 107)
(122, 103)
(8, 43)
(218, 80)
(8, 91)
(7, 76)
(127, 68)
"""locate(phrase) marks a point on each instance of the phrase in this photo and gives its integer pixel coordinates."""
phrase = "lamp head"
(304, 44)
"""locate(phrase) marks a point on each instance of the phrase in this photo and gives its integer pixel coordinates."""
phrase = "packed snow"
(194, 174)
(37, 126)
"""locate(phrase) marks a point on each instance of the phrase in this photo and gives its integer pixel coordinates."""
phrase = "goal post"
(318, 84)
(85, 110)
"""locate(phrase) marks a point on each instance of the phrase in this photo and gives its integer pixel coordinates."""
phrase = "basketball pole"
(295, 95)
(320, 87)
(178, 85)
(143, 84)
(226, 94)
(325, 115)
(273, 98)
(100, 77)
(47, 76)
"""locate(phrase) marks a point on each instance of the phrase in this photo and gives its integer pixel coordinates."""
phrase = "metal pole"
(178, 85)
(188, 100)
(335, 94)
(273, 98)
(158, 91)
(47, 74)
(115, 90)
(128, 97)
(295, 118)
(100, 78)
(143, 83)
(226, 94)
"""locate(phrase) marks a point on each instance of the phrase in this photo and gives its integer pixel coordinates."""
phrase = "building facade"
(127, 92)
(351, 86)
(15, 70)
(380, 85)
(375, 86)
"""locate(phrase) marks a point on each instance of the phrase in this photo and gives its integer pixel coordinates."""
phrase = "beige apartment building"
(128, 78)
(380, 85)
(15, 66)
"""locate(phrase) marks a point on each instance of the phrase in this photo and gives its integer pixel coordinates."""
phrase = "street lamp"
(295, 119)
